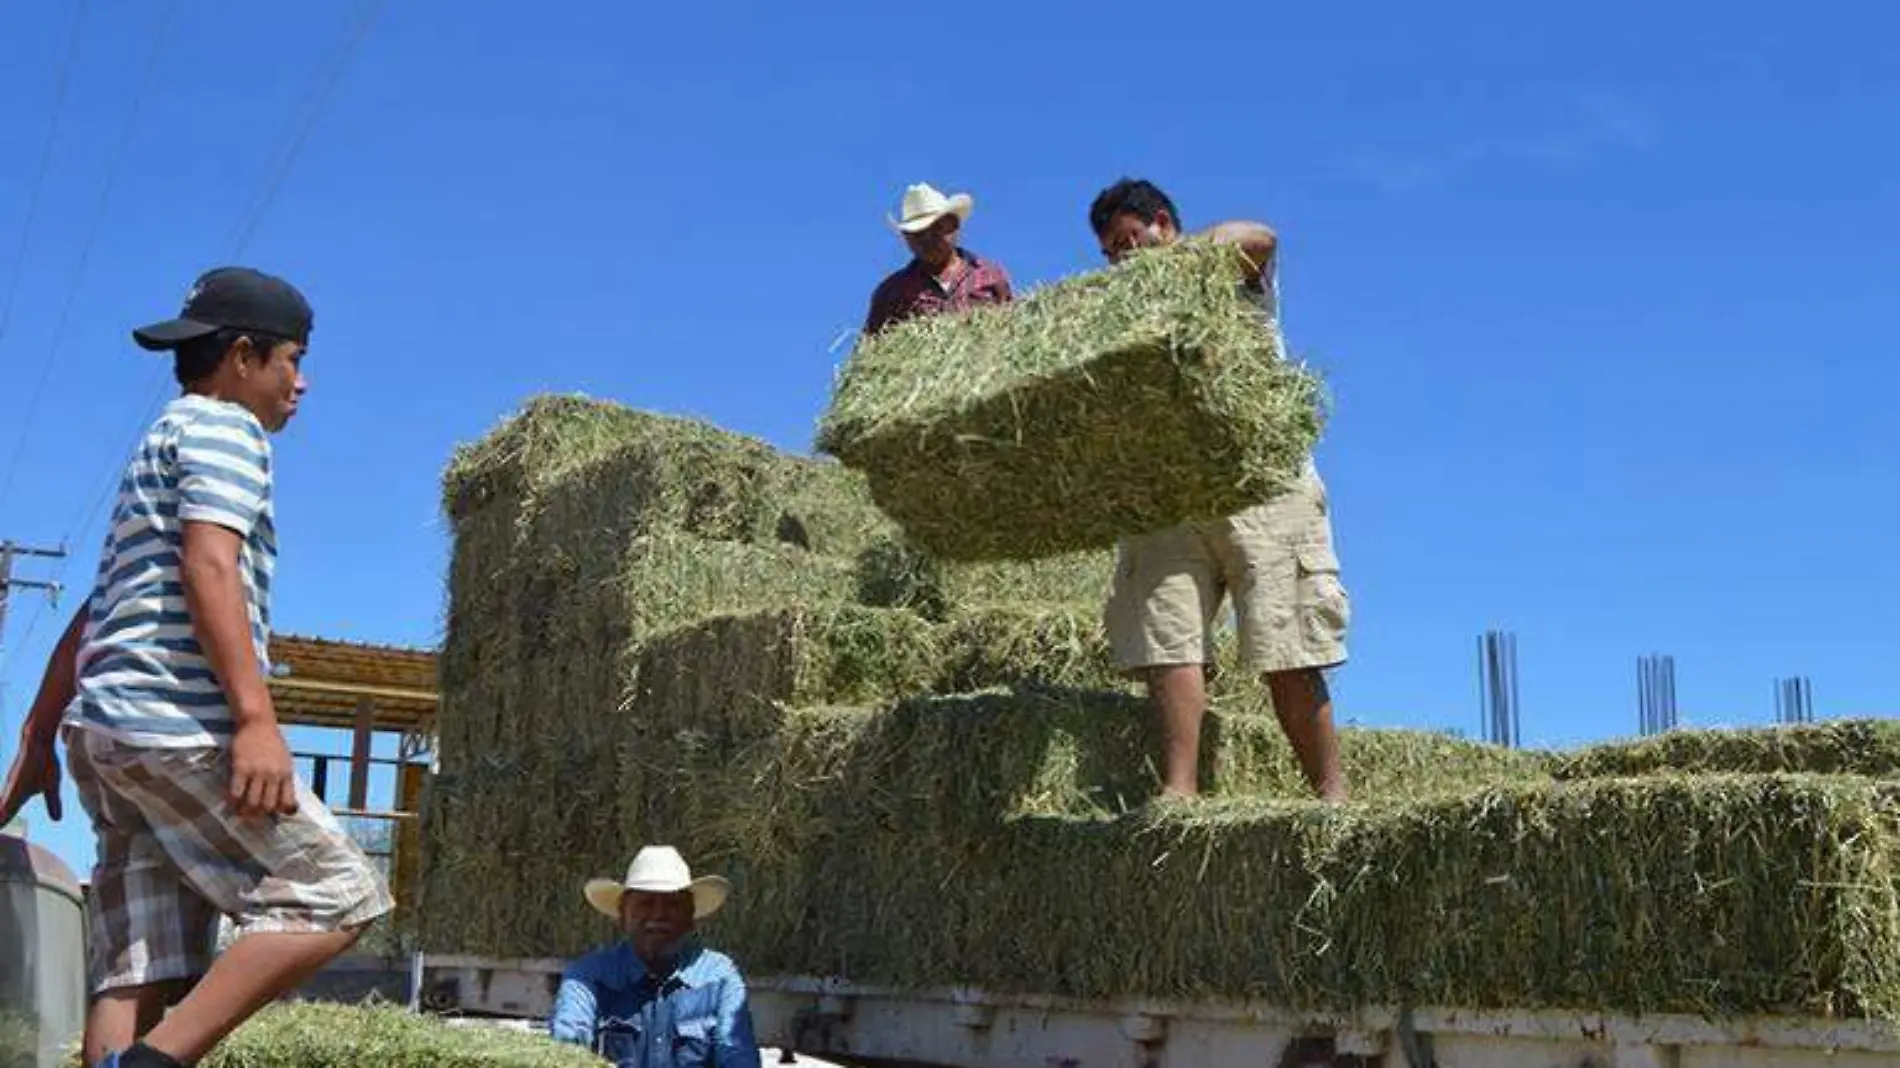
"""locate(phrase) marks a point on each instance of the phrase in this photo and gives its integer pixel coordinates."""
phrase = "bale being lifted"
(1127, 400)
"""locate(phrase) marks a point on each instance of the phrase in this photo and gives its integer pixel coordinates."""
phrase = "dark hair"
(1130, 196)
(196, 360)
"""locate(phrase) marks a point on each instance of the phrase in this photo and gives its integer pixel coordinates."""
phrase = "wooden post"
(359, 753)
(409, 778)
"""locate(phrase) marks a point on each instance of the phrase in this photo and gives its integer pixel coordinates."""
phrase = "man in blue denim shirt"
(657, 998)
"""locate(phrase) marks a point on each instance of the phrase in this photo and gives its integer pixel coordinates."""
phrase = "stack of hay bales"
(923, 773)
(626, 587)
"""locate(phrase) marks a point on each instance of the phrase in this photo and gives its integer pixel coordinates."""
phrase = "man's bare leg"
(1179, 693)
(256, 970)
(117, 1018)
(1304, 707)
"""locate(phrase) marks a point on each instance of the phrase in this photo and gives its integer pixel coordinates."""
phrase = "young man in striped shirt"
(158, 689)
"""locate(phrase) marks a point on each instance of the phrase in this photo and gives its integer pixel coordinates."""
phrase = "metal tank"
(42, 956)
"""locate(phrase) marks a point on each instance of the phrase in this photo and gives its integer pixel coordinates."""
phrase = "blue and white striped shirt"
(142, 676)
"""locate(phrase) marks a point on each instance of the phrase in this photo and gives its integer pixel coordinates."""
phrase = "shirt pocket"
(618, 1041)
(693, 1043)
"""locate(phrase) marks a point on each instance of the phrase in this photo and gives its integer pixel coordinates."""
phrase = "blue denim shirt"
(698, 1017)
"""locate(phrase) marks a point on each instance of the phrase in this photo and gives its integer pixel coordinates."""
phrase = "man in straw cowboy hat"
(940, 275)
(657, 998)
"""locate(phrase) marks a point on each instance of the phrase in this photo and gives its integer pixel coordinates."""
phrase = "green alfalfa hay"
(1028, 645)
(1846, 747)
(318, 1035)
(556, 667)
(509, 842)
(893, 572)
(548, 435)
(573, 464)
(1696, 895)
(1129, 399)
(20, 1039)
(901, 796)
(850, 654)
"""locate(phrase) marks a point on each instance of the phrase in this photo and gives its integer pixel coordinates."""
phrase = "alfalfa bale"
(1029, 645)
(1130, 399)
(1695, 895)
(547, 436)
(827, 508)
(893, 572)
(843, 654)
(770, 663)
(580, 466)
(299, 1034)
(509, 843)
(604, 466)
(558, 668)
(1844, 747)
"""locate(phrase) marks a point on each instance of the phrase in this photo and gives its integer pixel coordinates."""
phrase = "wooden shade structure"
(362, 688)
(319, 682)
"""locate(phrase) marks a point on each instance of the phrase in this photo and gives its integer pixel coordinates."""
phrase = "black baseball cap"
(236, 298)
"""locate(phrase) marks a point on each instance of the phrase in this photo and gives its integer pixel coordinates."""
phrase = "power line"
(247, 223)
(242, 233)
(246, 226)
(46, 164)
(85, 248)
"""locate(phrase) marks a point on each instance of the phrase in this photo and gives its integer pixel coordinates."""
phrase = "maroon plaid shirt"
(912, 290)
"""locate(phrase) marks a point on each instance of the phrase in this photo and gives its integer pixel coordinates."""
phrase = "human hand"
(35, 773)
(263, 780)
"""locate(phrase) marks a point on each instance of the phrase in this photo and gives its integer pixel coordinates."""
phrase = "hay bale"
(315, 1035)
(1845, 747)
(1027, 645)
(508, 845)
(893, 573)
(1126, 400)
(549, 435)
(772, 661)
(554, 664)
(1721, 895)
(828, 509)
(576, 465)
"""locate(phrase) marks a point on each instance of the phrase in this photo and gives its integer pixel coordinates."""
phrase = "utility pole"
(8, 552)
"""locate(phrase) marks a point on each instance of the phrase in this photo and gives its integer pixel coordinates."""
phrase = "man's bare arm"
(1256, 240)
(262, 776)
(35, 770)
(214, 595)
(57, 686)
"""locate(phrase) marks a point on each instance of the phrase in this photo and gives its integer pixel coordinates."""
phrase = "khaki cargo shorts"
(173, 855)
(1275, 560)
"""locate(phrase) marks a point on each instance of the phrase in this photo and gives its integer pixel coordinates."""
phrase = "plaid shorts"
(173, 854)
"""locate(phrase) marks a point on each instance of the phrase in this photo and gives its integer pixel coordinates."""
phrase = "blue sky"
(1596, 288)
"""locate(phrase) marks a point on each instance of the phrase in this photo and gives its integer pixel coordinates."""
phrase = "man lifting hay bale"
(1275, 559)
(1130, 399)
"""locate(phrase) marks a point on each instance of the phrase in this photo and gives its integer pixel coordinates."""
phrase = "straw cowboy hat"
(923, 205)
(659, 870)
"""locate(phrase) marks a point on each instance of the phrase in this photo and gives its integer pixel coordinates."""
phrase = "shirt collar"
(633, 971)
(971, 258)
